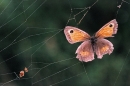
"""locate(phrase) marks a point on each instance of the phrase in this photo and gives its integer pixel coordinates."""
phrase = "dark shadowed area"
(32, 36)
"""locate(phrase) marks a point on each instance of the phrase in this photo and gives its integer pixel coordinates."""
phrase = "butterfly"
(92, 44)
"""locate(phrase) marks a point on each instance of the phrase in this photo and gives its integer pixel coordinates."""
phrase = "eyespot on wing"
(108, 29)
(74, 34)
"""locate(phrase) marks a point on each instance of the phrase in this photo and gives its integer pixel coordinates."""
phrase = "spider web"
(31, 36)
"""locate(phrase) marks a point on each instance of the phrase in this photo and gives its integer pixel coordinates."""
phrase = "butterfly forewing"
(108, 29)
(102, 47)
(85, 52)
(74, 34)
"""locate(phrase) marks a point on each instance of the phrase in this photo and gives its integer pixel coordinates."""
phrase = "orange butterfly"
(91, 44)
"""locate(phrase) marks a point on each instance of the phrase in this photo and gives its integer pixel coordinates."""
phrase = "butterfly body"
(93, 40)
(91, 44)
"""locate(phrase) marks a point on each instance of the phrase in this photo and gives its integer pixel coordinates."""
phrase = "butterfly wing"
(108, 29)
(102, 47)
(85, 51)
(74, 34)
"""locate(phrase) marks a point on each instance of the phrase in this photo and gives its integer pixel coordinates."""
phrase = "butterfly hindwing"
(102, 47)
(108, 29)
(85, 51)
(74, 34)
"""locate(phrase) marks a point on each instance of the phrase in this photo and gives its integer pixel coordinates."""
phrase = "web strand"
(23, 27)
(121, 69)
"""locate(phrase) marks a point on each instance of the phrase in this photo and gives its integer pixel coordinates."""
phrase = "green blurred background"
(31, 35)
